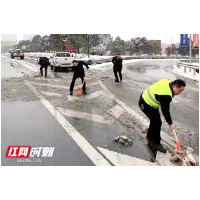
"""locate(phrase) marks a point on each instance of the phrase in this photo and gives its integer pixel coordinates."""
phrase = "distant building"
(173, 48)
(164, 47)
(156, 46)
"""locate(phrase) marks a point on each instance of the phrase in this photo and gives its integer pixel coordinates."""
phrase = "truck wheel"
(51, 67)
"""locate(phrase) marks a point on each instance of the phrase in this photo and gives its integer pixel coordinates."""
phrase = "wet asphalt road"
(136, 78)
(7, 70)
(26, 122)
(184, 108)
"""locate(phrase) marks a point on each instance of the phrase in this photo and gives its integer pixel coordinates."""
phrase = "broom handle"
(177, 141)
(84, 79)
(82, 84)
(176, 138)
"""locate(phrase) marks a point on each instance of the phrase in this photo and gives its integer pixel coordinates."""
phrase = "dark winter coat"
(79, 70)
(117, 64)
(44, 61)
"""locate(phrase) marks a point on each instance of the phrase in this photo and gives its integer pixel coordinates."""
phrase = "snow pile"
(188, 74)
(123, 139)
(184, 158)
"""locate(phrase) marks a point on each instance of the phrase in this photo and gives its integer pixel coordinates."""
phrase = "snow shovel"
(177, 142)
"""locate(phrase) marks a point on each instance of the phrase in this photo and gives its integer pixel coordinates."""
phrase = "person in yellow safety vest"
(158, 95)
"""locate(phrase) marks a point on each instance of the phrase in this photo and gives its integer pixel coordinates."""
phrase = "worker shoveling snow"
(123, 139)
(184, 158)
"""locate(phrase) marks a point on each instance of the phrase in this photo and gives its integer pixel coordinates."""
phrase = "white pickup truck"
(61, 60)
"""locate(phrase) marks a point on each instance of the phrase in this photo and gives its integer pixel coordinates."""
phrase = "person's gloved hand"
(172, 127)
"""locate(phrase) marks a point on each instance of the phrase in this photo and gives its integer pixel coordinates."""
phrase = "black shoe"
(149, 140)
(71, 93)
(157, 147)
(161, 148)
(84, 92)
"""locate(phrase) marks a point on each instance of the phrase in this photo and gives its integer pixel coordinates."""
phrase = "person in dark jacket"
(78, 73)
(44, 62)
(117, 67)
(159, 94)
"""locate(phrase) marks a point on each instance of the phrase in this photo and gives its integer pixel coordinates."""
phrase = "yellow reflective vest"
(160, 88)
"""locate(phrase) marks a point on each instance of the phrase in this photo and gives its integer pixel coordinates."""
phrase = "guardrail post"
(194, 71)
(184, 69)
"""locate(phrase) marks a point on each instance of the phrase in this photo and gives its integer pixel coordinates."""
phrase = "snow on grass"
(101, 66)
(188, 74)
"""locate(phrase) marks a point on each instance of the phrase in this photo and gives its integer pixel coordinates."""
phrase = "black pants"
(116, 75)
(73, 82)
(153, 114)
(41, 70)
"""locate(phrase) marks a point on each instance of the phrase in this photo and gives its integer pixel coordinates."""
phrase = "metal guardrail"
(184, 63)
(192, 60)
(103, 60)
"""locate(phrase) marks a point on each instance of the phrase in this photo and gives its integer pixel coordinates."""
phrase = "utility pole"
(88, 43)
(171, 45)
(190, 48)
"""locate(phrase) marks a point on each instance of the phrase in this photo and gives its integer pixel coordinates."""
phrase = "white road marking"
(139, 117)
(87, 85)
(163, 159)
(15, 63)
(87, 97)
(116, 111)
(50, 85)
(61, 86)
(26, 65)
(52, 94)
(96, 94)
(84, 115)
(48, 80)
(86, 147)
(119, 159)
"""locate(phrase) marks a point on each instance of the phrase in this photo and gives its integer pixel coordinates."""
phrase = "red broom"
(80, 91)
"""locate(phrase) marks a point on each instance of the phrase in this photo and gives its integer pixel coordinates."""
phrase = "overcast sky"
(166, 38)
